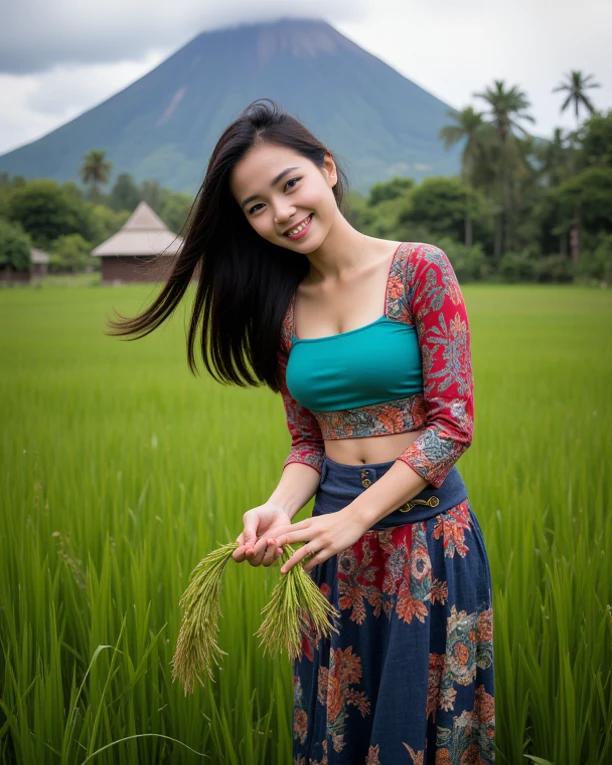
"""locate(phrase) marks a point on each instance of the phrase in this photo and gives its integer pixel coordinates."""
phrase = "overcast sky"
(59, 58)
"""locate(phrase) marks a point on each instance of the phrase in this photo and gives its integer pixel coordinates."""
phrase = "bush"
(595, 265)
(514, 268)
(70, 253)
(15, 247)
(469, 263)
(555, 269)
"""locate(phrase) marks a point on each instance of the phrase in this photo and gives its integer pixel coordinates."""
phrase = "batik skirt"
(408, 677)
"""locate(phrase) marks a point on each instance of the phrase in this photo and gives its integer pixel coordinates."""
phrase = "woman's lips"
(303, 232)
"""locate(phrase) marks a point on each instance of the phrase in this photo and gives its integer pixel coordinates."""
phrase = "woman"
(367, 341)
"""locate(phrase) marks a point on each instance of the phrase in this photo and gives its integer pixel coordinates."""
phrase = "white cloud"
(88, 31)
(40, 103)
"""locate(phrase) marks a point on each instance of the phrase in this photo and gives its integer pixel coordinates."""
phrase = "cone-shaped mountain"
(165, 124)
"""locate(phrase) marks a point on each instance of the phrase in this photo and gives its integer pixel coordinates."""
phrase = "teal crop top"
(378, 362)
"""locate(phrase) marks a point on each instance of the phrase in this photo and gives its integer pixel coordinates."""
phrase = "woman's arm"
(299, 481)
(438, 311)
(297, 486)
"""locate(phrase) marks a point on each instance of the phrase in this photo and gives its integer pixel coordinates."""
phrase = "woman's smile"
(301, 229)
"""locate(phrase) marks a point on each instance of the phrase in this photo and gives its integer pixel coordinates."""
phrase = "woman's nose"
(283, 212)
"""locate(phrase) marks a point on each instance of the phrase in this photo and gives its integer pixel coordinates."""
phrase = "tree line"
(522, 208)
(68, 220)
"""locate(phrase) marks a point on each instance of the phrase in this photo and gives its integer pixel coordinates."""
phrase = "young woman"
(367, 341)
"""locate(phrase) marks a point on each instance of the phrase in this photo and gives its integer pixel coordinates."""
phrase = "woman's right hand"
(260, 524)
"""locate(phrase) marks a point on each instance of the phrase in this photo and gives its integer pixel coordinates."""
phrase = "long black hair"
(245, 283)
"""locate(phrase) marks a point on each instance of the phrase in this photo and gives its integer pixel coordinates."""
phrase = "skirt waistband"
(337, 478)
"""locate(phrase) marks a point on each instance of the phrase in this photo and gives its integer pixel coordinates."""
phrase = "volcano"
(379, 123)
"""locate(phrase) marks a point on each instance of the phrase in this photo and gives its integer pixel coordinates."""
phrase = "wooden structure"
(39, 266)
(140, 251)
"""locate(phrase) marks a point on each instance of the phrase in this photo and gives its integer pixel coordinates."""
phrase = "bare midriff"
(371, 449)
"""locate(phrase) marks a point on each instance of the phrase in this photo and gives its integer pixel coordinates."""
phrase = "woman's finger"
(320, 557)
(271, 554)
(297, 556)
(290, 537)
(239, 554)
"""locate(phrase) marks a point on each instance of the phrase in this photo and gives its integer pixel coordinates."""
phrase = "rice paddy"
(120, 471)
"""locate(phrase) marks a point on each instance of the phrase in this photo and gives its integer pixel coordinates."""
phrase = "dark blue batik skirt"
(409, 676)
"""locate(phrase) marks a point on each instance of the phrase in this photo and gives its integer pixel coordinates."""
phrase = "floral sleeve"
(306, 439)
(438, 311)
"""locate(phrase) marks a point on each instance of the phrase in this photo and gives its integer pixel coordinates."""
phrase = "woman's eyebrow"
(278, 178)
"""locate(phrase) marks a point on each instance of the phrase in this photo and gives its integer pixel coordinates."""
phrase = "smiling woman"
(380, 408)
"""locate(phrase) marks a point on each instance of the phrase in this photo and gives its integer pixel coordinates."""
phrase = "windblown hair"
(244, 282)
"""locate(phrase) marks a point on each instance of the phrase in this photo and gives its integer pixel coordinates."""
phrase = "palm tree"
(507, 108)
(555, 159)
(95, 170)
(576, 85)
(469, 125)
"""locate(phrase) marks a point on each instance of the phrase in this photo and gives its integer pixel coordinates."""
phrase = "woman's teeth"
(301, 227)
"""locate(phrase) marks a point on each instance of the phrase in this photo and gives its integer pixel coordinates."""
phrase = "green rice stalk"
(297, 609)
(196, 647)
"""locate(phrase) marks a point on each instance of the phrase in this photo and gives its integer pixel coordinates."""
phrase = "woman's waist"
(367, 450)
(340, 484)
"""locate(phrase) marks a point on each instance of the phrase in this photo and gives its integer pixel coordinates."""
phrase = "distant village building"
(131, 255)
(39, 266)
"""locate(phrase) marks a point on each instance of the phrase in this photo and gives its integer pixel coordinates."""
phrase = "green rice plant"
(297, 606)
(115, 461)
(297, 610)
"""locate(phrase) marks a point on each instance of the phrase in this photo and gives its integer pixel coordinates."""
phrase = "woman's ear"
(330, 166)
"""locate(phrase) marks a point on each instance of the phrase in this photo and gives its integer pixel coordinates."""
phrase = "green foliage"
(125, 194)
(441, 205)
(596, 140)
(105, 222)
(469, 263)
(595, 264)
(383, 219)
(114, 495)
(15, 247)
(174, 210)
(382, 192)
(591, 193)
(70, 253)
(47, 211)
(95, 170)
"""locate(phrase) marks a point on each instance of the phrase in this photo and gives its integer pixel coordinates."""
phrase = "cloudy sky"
(59, 58)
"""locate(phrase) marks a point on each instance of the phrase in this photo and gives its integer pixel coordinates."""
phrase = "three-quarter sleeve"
(307, 446)
(436, 305)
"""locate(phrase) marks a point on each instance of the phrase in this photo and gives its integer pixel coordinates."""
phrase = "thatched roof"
(143, 234)
(38, 256)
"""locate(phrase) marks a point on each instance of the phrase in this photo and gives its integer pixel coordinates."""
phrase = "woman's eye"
(254, 209)
(292, 181)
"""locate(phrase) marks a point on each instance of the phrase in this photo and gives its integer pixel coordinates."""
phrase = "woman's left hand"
(324, 535)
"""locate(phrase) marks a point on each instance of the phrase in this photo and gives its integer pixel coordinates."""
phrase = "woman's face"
(285, 197)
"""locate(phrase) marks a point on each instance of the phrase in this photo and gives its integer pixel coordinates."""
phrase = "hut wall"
(126, 269)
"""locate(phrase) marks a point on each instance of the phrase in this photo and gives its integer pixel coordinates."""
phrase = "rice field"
(120, 471)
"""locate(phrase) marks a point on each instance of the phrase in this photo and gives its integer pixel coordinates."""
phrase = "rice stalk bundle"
(297, 609)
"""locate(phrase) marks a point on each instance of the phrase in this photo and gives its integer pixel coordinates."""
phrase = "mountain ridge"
(165, 124)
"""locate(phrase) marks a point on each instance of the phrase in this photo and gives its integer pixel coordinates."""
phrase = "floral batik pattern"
(438, 311)
(307, 445)
(471, 740)
(401, 593)
(336, 694)
(469, 647)
(390, 570)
